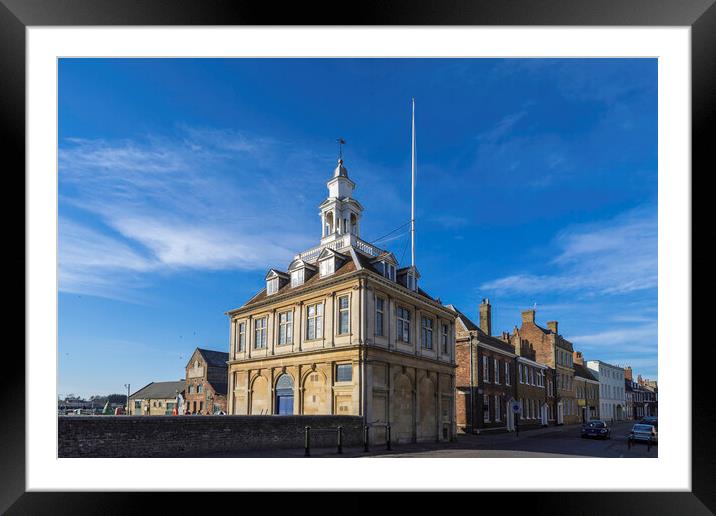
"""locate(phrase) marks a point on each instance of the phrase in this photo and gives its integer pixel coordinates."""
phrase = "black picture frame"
(17, 15)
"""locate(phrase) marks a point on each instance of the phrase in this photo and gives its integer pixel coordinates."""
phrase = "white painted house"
(612, 398)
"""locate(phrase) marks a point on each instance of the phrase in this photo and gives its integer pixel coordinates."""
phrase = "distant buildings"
(156, 399)
(206, 376)
(651, 396)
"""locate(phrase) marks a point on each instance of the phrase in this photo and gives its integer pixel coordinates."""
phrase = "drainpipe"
(472, 391)
(361, 353)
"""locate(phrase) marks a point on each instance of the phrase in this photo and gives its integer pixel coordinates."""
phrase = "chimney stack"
(486, 316)
(578, 359)
(528, 316)
(552, 325)
(627, 373)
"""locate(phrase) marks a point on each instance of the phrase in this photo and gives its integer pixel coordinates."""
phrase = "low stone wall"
(175, 436)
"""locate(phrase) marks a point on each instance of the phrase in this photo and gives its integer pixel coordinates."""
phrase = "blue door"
(284, 395)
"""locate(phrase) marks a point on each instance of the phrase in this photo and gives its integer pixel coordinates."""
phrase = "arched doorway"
(316, 394)
(260, 398)
(284, 395)
(560, 413)
(510, 415)
(427, 424)
(402, 410)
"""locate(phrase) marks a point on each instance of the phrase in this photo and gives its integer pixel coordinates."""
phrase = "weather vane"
(341, 143)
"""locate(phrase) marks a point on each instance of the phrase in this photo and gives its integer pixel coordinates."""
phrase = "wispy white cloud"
(619, 336)
(191, 245)
(502, 128)
(91, 262)
(200, 200)
(613, 257)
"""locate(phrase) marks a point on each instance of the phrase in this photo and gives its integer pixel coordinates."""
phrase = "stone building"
(553, 350)
(485, 375)
(206, 374)
(156, 399)
(586, 389)
(344, 330)
(612, 397)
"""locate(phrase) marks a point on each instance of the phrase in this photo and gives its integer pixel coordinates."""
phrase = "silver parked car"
(644, 433)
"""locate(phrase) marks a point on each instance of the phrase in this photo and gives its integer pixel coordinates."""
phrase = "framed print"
(253, 235)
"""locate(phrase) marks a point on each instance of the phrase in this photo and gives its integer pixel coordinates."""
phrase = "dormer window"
(408, 277)
(300, 272)
(329, 261)
(390, 271)
(297, 277)
(327, 267)
(385, 266)
(275, 280)
(412, 283)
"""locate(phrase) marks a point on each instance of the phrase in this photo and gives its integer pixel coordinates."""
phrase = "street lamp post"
(127, 411)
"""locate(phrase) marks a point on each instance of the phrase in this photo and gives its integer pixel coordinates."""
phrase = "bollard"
(365, 438)
(387, 434)
(307, 442)
(340, 439)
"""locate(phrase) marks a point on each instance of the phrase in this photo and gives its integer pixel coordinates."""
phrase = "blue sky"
(182, 181)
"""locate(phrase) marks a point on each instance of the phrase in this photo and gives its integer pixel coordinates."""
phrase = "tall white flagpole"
(412, 195)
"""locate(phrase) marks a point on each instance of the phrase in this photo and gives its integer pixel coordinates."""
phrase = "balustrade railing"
(341, 243)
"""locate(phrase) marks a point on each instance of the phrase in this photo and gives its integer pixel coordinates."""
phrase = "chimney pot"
(552, 325)
(528, 316)
(486, 316)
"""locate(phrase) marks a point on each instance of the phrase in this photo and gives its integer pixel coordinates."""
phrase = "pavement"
(560, 441)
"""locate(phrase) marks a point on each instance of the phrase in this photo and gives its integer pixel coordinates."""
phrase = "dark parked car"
(643, 433)
(596, 428)
(650, 420)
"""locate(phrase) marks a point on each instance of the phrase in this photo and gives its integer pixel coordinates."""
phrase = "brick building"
(206, 375)
(553, 350)
(485, 375)
(534, 385)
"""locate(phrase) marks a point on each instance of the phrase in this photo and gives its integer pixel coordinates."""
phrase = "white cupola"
(340, 213)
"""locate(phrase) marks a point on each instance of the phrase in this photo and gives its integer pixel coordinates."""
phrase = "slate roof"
(353, 261)
(481, 335)
(214, 358)
(159, 390)
(219, 387)
(583, 372)
(471, 326)
(347, 267)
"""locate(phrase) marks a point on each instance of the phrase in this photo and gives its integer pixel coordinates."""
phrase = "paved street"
(563, 441)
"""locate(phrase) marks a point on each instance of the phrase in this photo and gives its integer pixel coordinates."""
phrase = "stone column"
(249, 335)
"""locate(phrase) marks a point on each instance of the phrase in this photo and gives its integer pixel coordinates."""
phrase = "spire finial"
(341, 143)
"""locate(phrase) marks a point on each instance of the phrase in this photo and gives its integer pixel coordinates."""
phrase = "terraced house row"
(528, 377)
